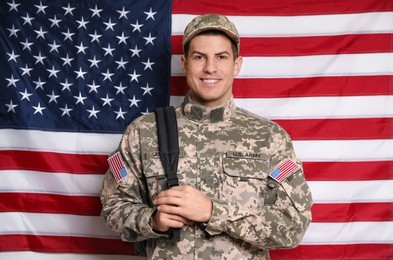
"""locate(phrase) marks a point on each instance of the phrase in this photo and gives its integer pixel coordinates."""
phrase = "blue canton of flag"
(82, 65)
(283, 170)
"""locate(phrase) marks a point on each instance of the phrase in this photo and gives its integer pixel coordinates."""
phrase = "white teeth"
(210, 81)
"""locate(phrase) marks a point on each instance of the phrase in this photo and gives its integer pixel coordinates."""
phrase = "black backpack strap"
(168, 143)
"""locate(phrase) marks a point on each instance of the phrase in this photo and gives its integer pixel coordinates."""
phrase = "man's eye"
(198, 57)
(222, 57)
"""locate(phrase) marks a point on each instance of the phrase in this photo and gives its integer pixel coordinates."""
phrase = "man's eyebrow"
(219, 53)
(223, 53)
(198, 52)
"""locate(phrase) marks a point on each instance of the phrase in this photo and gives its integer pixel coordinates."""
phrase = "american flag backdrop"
(74, 73)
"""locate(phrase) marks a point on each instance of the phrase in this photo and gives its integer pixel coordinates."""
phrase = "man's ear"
(184, 63)
(238, 65)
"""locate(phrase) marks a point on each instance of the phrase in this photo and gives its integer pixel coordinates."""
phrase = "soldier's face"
(210, 68)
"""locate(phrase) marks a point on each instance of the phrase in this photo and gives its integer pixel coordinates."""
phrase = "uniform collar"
(200, 113)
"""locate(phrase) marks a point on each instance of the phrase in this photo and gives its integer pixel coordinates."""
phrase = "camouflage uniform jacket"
(227, 153)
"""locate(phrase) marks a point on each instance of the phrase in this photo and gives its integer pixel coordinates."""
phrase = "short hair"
(214, 32)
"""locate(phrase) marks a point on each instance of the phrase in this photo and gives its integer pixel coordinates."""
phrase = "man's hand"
(184, 202)
(162, 222)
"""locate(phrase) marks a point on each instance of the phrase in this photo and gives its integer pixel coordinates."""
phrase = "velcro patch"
(283, 170)
(246, 155)
(117, 166)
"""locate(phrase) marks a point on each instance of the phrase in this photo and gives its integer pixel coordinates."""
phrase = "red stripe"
(53, 162)
(300, 87)
(61, 244)
(346, 212)
(338, 129)
(315, 45)
(50, 203)
(348, 171)
(283, 7)
(343, 252)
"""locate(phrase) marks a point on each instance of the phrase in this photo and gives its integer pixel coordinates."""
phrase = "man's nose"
(210, 66)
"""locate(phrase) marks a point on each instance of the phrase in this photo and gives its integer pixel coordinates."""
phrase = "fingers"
(169, 209)
(175, 195)
(185, 201)
(163, 222)
(169, 197)
(174, 201)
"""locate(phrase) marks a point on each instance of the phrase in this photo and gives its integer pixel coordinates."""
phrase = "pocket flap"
(245, 168)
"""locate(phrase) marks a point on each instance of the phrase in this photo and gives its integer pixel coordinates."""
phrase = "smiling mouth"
(210, 81)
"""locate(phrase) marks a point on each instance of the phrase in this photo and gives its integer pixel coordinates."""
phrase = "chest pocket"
(244, 181)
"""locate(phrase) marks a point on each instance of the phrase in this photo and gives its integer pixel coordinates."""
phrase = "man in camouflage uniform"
(242, 190)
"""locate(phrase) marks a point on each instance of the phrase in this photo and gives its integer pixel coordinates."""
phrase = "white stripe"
(21, 255)
(63, 142)
(313, 150)
(344, 150)
(309, 66)
(50, 183)
(54, 225)
(314, 107)
(349, 233)
(90, 185)
(351, 191)
(317, 65)
(307, 25)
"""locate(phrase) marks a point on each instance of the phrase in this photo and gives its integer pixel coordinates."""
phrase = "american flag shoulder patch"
(117, 167)
(283, 170)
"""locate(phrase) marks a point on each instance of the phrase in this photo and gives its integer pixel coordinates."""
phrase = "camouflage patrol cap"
(211, 22)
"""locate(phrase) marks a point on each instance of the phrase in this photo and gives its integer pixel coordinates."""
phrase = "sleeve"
(126, 208)
(281, 224)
